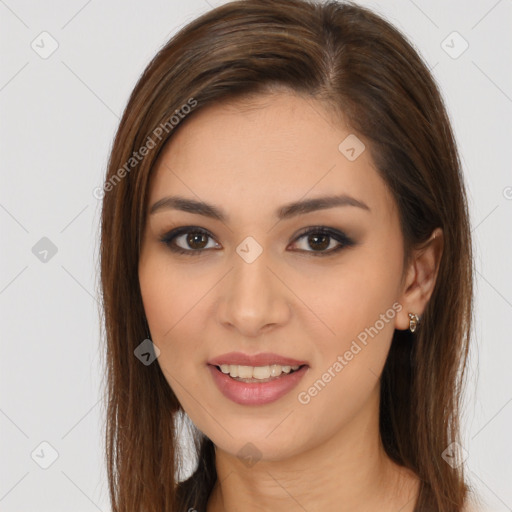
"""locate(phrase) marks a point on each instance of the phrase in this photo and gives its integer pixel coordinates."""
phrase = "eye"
(320, 238)
(193, 237)
(194, 240)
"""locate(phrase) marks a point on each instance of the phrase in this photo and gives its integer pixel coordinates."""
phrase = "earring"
(414, 320)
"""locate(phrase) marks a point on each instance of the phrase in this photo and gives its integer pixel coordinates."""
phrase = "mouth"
(256, 385)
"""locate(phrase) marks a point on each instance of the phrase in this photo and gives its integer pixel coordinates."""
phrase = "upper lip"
(262, 359)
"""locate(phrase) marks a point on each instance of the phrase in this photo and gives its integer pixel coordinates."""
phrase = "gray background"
(58, 117)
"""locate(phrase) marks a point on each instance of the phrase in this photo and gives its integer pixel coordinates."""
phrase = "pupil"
(315, 238)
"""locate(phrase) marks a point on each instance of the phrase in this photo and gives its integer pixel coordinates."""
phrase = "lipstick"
(254, 392)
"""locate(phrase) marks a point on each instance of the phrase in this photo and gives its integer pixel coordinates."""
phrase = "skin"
(326, 454)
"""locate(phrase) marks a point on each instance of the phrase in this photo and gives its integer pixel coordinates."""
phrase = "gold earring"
(414, 320)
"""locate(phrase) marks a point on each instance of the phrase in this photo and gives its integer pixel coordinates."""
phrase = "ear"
(420, 279)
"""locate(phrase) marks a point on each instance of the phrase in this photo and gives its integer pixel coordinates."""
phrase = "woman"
(286, 259)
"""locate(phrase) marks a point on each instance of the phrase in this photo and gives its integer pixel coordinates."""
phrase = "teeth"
(256, 372)
(275, 370)
(245, 372)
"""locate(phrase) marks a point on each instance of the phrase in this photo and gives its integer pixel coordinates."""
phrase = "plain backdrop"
(58, 116)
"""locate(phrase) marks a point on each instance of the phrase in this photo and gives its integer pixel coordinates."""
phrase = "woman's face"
(329, 302)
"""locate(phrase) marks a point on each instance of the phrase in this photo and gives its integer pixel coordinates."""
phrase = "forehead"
(276, 147)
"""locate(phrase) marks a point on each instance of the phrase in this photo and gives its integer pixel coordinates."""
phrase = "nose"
(253, 297)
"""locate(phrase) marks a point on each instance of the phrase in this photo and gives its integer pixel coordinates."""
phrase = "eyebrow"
(285, 212)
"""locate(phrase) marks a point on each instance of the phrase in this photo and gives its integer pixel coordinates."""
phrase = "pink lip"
(263, 359)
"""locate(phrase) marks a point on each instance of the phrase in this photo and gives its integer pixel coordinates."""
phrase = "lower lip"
(255, 393)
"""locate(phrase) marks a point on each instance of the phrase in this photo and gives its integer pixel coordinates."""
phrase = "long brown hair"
(361, 67)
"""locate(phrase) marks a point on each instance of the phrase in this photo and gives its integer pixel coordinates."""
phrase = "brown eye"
(320, 238)
(192, 240)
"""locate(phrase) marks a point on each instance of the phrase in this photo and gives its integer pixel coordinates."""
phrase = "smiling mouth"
(257, 374)
(257, 385)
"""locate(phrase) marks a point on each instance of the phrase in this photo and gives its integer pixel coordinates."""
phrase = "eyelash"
(339, 236)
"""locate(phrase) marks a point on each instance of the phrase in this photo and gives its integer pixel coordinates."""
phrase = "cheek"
(347, 370)
(173, 309)
(169, 296)
(358, 310)
(355, 303)
(167, 302)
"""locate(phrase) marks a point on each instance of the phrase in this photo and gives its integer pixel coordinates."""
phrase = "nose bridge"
(253, 296)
